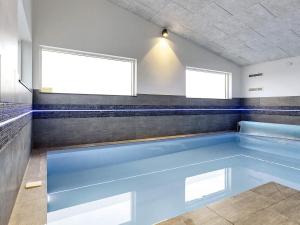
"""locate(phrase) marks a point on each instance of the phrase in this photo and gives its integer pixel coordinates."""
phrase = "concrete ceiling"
(243, 31)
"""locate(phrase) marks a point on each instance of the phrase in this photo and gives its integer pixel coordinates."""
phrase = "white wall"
(102, 27)
(24, 19)
(26, 66)
(10, 89)
(280, 78)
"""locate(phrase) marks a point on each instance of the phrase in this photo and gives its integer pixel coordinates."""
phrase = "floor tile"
(240, 206)
(287, 204)
(179, 220)
(265, 217)
(274, 191)
(286, 190)
(31, 204)
(289, 207)
(203, 216)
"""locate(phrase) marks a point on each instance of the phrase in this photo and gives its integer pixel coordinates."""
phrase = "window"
(68, 71)
(201, 83)
(117, 209)
(205, 185)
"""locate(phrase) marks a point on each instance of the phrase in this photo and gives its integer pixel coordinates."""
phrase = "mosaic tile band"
(79, 111)
(11, 110)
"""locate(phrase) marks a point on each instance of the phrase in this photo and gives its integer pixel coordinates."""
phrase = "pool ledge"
(31, 204)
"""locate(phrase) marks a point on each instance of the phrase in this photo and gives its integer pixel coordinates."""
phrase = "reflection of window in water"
(113, 210)
(199, 186)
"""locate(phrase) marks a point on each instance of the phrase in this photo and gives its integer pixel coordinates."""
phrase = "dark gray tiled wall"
(63, 129)
(141, 99)
(71, 128)
(278, 102)
(13, 161)
(272, 102)
(15, 147)
(73, 131)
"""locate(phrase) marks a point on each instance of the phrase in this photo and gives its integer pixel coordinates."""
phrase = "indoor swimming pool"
(148, 182)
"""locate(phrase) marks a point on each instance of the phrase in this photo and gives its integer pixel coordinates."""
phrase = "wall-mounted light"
(164, 33)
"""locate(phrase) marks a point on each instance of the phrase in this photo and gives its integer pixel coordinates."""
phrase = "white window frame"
(89, 54)
(228, 81)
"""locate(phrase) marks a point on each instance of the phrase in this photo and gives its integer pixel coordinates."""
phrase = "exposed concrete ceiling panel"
(244, 31)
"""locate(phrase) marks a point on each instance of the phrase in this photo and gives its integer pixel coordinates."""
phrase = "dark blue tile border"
(10, 130)
(46, 114)
(86, 111)
(124, 107)
(266, 111)
(10, 111)
(143, 105)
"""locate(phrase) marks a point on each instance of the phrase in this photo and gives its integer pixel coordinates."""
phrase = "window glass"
(65, 71)
(202, 83)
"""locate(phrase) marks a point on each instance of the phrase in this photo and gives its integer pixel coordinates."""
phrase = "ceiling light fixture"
(164, 33)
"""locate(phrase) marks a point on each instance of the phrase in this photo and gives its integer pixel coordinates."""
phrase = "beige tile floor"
(269, 204)
(31, 204)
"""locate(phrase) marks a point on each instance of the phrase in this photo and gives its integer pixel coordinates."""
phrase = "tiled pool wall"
(146, 116)
(15, 146)
(284, 110)
(143, 116)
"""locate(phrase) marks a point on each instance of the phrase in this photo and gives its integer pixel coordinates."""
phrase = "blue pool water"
(145, 183)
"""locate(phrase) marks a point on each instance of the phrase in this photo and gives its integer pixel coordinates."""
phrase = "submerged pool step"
(75, 179)
(88, 158)
(277, 151)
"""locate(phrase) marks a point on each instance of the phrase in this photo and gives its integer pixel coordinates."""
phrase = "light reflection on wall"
(163, 66)
(114, 210)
